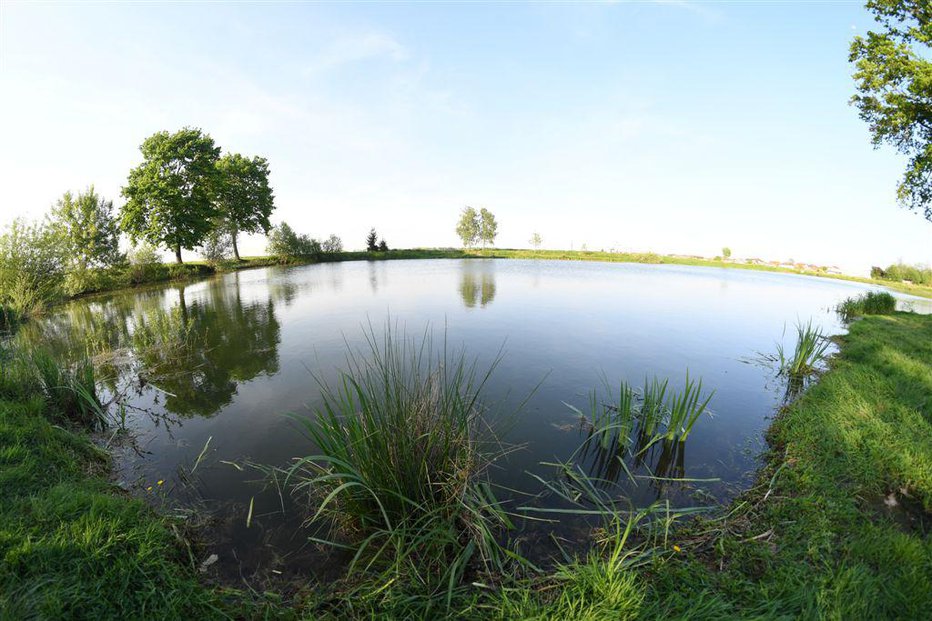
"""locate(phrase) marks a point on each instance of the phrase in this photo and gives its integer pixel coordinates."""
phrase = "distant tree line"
(898, 272)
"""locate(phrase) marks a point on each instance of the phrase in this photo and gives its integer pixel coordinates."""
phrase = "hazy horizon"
(672, 127)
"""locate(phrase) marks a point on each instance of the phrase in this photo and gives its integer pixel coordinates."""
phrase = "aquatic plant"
(810, 351)
(653, 414)
(403, 447)
(870, 303)
(684, 409)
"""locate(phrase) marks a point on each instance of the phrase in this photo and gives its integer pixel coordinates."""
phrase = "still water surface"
(226, 360)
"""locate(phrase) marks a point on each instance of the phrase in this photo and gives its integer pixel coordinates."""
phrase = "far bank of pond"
(209, 369)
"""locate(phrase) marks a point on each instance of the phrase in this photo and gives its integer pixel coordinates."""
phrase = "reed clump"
(809, 353)
(653, 413)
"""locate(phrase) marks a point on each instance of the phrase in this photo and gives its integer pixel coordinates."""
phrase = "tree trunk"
(178, 255)
(235, 248)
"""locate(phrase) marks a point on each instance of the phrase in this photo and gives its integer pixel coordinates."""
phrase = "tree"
(383, 247)
(217, 245)
(894, 82)
(87, 229)
(488, 227)
(244, 198)
(536, 240)
(726, 252)
(468, 227)
(372, 238)
(170, 196)
(332, 244)
(284, 243)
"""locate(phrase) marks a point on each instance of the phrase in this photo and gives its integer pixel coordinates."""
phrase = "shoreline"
(194, 270)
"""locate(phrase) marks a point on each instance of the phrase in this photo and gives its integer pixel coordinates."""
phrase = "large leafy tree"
(244, 198)
(88, 230)
(894, 82)
(467, 228)
(488, 227)
(171, 195)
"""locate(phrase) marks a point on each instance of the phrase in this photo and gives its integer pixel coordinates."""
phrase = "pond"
(210, 372)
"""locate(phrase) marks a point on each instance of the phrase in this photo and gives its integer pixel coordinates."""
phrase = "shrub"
(32, 267)
(217, 247)
(284, 243)
(145, 264)
(870, 303)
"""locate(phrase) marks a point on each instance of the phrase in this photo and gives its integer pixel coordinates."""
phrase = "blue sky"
(664, 126)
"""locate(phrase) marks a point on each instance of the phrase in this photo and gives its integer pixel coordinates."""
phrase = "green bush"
(284, 243)
(870, 303)
(145, 265)
(32, 267)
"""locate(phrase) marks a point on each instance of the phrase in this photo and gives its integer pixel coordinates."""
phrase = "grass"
(870, 303)
(71, 545)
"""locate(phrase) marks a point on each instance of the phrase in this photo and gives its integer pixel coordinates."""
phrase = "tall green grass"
(403, 445)
(69, 390)
(870, 303)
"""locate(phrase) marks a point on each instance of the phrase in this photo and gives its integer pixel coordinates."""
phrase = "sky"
(669, 126)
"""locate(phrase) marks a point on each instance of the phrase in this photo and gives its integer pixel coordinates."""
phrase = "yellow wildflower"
(149, 489)
(676, 548)
(161, 481)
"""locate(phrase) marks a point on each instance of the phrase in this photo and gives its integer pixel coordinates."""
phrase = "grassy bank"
(71, 544)
(834, 528)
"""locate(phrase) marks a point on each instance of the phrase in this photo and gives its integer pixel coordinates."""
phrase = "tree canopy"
(488, 227)
(894, 83)
(467, 228)
(89, 233)
(372, 241)
(244, 198)
(171, 194)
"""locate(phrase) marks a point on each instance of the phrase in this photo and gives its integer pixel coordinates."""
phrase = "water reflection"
(477, 283)
(197, 353)
(192, 352)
